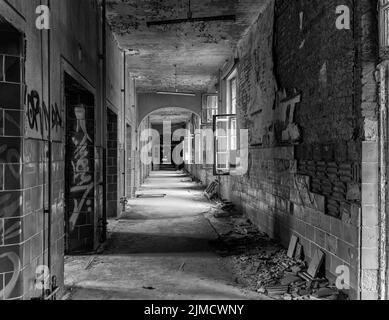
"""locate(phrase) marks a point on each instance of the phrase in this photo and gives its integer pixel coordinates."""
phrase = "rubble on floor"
(225, 209)
(265, 267)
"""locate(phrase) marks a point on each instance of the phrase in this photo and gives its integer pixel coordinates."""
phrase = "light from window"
(233, 91)
(210, 108)
(225, 144)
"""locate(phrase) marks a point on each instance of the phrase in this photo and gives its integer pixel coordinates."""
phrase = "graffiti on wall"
(82, 165)
(10, 286)
(56, 119)
(38, 115)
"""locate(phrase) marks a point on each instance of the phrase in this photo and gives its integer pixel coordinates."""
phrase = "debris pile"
(225, 209)
(264, 266)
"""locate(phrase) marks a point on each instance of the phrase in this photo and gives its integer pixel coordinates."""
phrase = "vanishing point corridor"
(160, 247)
(194, 150)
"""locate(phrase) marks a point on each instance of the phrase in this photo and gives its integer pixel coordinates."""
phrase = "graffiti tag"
(10, 286)
(82, 179)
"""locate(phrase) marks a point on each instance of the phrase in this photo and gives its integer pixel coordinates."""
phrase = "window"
(210, 107)
(233, 84)
(384, 23)
(225, 128)
(232, 92)
(225, 144)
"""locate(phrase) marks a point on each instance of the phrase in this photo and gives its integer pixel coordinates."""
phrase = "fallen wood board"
(316, 263)
(299, 252)
(292, 246)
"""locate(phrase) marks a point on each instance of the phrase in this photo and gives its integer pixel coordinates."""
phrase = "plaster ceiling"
(185, 56)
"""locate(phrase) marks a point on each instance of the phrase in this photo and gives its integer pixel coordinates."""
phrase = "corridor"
(158, 249)
(272, 115)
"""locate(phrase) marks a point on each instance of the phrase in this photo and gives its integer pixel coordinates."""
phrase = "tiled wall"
(112, 164)
(12, 213)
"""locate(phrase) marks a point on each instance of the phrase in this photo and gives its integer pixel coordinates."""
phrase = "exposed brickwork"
(311, 188)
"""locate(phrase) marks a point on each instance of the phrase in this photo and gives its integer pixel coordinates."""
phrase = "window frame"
(206, 108)
(228, 151)
(383, 7)
(230, 79)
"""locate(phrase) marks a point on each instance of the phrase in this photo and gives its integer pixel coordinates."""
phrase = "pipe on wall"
(104, 118)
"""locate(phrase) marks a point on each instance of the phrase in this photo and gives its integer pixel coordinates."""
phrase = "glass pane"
(10, 43)
(222, 161)
(12, 69)
(10, 96)
(233, 143)
(222, 144)
(233, 159)
(226, 144)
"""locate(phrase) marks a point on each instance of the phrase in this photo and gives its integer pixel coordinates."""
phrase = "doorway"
(79, 167)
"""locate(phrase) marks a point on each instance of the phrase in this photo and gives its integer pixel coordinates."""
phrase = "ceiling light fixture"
(176, 93)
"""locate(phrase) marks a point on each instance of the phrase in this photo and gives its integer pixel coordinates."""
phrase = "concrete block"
(369, 295)
(370, 172)
(336, 227)
(369, 258)
(344, 251)
(369, 280)
(350, 234)
(370, 215)
(369, 194)
(370, 236)
(369, 151)
(309, 232)
(331, 243)
(320, 238)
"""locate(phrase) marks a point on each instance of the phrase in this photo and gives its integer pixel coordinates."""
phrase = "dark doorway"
(112, 164)
(79, 167)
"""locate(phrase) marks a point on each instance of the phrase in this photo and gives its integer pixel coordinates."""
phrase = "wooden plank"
(316, 263)
(292, 246)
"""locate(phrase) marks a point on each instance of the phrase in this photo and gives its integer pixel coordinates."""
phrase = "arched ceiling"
(183, 56)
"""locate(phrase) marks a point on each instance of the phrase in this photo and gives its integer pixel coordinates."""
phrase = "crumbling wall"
(297, 79)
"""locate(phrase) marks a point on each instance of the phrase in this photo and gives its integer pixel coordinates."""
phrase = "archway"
(170, 122)
(151, 102)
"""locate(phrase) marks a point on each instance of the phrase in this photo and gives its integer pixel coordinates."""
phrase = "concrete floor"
(158, 249)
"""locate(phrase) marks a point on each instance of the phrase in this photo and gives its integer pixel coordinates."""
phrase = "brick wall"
(302, 76)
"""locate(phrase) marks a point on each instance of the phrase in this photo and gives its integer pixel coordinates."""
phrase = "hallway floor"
(159, 249)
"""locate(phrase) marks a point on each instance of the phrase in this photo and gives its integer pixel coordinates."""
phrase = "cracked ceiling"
(184, 56)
